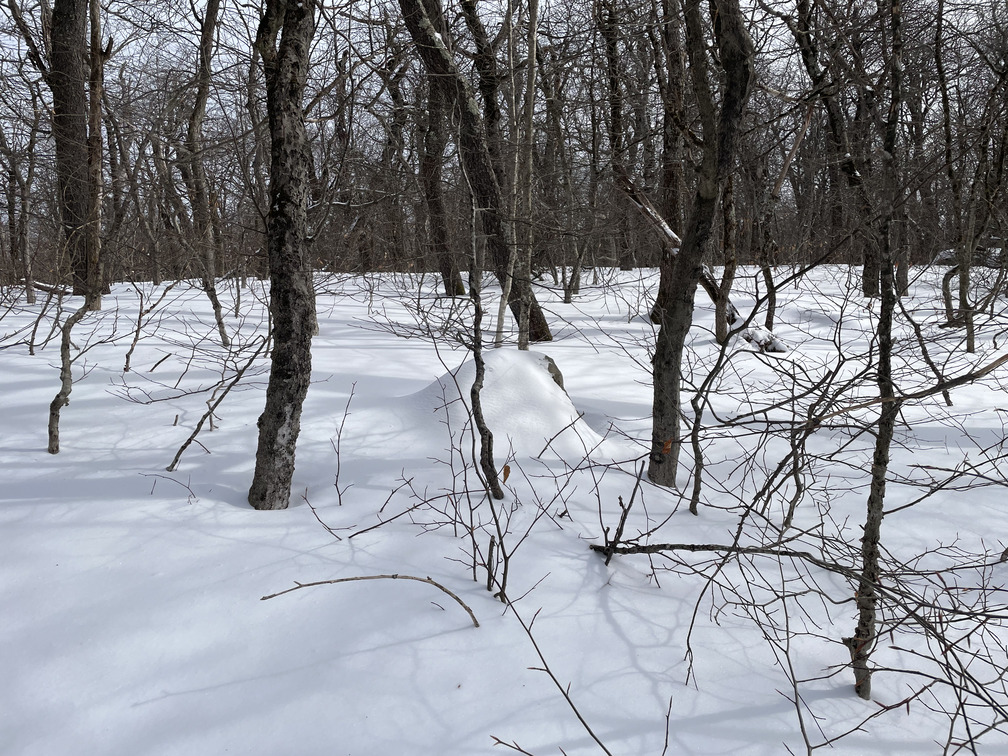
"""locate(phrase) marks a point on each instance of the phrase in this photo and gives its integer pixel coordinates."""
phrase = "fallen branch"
(48, 288)
(429, 581)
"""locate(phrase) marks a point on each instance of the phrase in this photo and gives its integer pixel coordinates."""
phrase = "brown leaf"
(505, 472)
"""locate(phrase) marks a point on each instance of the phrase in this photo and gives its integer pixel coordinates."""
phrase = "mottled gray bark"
(62, 398)
(292, 299)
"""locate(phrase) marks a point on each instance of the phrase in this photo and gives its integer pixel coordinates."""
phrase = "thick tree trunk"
(670, 68)
(66, 78)
(490, 78)
(475, 156)
(292, 298)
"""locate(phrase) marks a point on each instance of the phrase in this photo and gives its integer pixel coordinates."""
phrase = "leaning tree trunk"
(720, 136)
(475, 155)
(292, 299)
(194, 173)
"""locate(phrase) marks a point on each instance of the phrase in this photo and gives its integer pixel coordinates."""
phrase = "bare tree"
(720, 129)
(292, 298)
(475, 153)
(66, 70)
(191, 164)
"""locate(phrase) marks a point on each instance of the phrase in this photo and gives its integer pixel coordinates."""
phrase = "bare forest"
(766, 245)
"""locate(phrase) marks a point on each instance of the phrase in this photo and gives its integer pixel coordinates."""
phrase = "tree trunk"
(488, 467)
(431, 157)
(863, 641)
(19, 184)
(671, 72)
(730, 231)
(475, 155)
(720, 136)
(66, 78)
(194, 173)
(62, 398)
(523, 263)
(292, 299)
(96, 83)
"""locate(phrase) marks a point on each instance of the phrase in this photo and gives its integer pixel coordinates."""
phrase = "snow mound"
(764, 341)
(522, 404)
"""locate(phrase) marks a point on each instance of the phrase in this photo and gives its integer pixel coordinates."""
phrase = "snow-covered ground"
(132, 616)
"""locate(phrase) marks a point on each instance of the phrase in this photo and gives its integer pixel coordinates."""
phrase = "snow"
(133, 620)
(763, 340)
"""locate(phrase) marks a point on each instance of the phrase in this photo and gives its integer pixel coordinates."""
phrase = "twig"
(428, 580)
(213, 408)
(611, 546)
(941, 387)
(512, 745)
(549, 443)
(564, 691)
(192, 494)
(395, 490)
(320, 520)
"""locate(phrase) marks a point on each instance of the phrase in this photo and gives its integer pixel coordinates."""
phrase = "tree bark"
(720, 136)
(475, 155)
(863, 640)
(62, 398)
(96, 84)
(431, 158)
(194, 173)
(523, 262)
(729, 245)
(66, 77)
(292, 299)
(670, 69)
